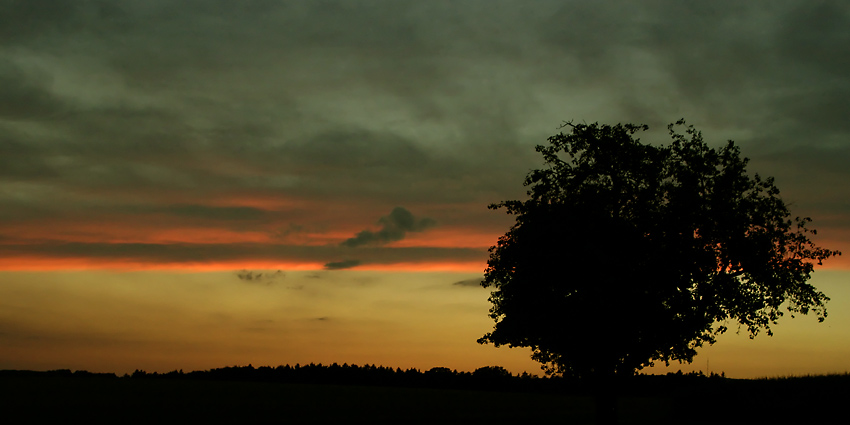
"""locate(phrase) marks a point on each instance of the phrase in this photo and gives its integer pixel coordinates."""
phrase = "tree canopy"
(626, 253)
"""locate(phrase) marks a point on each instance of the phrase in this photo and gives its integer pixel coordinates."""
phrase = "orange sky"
(117, 313)
(260, 299)
(165, 320)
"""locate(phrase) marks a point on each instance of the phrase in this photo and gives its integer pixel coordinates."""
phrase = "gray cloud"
(394, 227)
(340, 265)
(27, 21)
(265, 278)
(24, 94)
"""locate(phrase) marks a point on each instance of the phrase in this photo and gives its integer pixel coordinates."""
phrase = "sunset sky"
(201, 183)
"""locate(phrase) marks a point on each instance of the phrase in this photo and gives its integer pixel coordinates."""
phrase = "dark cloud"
(394, 227)
(816, 37)
(180, 135)
(21, 161)
(265, 278)
(340, 265)
(24, 94)
(23, 20)
(156, 107)
(818, 194)
(355, 149)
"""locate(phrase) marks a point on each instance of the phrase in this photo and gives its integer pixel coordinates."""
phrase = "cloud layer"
(394, 227)
(208, 131)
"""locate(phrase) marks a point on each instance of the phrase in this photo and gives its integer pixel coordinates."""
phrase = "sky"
(200, 183)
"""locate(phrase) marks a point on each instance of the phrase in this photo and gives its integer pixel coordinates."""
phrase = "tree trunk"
(606, 402)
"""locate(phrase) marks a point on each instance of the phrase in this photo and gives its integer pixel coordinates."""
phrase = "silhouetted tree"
(492, 372)
(626, 253)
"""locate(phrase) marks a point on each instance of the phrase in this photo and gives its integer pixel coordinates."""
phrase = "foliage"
(488, 377)
(627, 253)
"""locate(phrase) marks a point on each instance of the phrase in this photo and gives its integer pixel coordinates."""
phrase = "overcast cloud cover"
(216, 131)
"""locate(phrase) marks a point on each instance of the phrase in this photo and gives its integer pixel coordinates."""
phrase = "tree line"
(495, 378)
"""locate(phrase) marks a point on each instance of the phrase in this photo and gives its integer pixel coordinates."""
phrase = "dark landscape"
(314, 394)
(586, 189)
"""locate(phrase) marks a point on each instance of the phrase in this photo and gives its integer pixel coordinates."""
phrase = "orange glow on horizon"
(457, 237)
(81, 264)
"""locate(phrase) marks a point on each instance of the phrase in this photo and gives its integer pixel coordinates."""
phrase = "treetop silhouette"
(626, 253)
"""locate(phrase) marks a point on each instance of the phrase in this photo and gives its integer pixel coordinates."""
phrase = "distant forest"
(494, 378)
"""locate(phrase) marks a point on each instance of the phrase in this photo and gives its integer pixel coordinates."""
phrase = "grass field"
(122, 400)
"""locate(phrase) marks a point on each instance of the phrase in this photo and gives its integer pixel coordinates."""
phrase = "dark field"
(41, 400)
(62, 399)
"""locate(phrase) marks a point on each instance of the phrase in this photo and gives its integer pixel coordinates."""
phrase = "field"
(56, 399)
